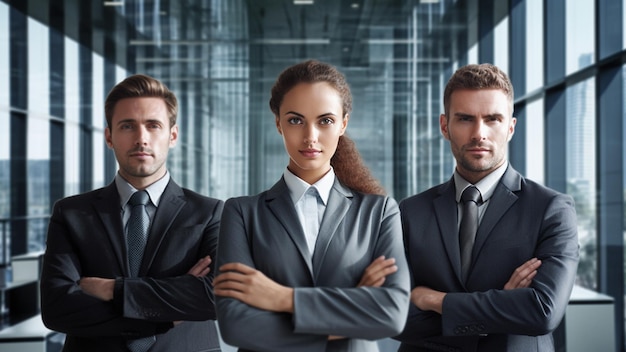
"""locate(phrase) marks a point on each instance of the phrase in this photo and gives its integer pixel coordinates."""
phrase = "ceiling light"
(429, 1)
(354, 5)
(303, 2)
(113, 3)
(292, 41)
(391, 41)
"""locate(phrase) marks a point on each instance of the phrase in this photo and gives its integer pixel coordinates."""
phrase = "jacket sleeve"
(245, 326)
(319, 312)
(363, 312)
(64, 306)
(536, 310)
(141, 307)
(175, 298)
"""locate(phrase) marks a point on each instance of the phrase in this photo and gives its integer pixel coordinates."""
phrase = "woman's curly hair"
(349, 167)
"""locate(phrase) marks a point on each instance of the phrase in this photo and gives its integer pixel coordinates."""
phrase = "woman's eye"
(294, 120)
(327, 121)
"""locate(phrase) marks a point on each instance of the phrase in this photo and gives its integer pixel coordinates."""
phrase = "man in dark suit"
(97, 286)
(512, 290)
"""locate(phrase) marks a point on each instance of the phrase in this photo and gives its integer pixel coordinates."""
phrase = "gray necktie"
(469, 225)
(136, 238)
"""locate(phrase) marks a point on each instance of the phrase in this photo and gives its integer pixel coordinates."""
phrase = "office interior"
(59, 59)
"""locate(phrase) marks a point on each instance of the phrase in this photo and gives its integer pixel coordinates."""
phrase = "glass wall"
(221, 58)
(581, 168)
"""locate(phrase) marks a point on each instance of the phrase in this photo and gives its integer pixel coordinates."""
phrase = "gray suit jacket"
(263, 231)
(86, 238)
(523, 220)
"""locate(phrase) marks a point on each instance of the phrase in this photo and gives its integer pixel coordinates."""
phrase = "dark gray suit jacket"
(264, 232)
(523, 220)
(86, 238)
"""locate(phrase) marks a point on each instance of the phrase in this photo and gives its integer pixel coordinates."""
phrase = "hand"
(377, 271)
(201, 268)
(252, 287)
(427, 299)
(523, 276)
(98, 287)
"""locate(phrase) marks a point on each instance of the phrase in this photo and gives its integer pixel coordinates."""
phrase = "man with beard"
(493, 255)
(128, 267)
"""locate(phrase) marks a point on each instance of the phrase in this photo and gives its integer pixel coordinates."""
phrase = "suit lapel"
(281, 205)
(339, 202)
(447, 218)
(171, 202)
(107, 206)
(501, 200)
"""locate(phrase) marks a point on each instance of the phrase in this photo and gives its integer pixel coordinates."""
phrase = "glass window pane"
(534, 44)
(501, 45)
(624, 23)
(5, 125)
(38, 135)
(97, 104)
(38, 71)
(580, 31)
(4, 59)
(580, 173)
(72, 117)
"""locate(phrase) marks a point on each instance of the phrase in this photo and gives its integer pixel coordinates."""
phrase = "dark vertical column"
(554, 43)
(610, 135)
(18, 150)
(201, 123)
(517, 146)
(517, 74)
(610, 173)
(555, 139)
(57, 104)
(486, 26)
(115, 43)
(86, 92)
(608, 20)
(109, 82)
(401, 134)
(517, 47)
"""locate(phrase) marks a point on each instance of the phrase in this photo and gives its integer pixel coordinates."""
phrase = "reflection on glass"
(579, 32)
(97, 113)
(501, 43)
(38, 135)
(72, 116)
(580, 173)
(623, 25)
(5, 188)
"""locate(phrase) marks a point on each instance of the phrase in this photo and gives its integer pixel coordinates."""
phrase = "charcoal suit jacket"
(86, 239)
(523, 220)
(264, 232)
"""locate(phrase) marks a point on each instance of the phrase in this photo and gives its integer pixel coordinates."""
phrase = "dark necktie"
(469, 225)
(136, 238)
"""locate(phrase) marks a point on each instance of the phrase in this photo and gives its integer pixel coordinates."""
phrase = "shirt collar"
(297, 186)
(486, 186)
(155, 190)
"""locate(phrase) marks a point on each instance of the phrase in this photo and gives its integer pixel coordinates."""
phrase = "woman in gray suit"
(316, 263)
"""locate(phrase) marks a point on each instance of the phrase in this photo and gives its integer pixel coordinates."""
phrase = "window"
(580, 173)
(580, 31)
